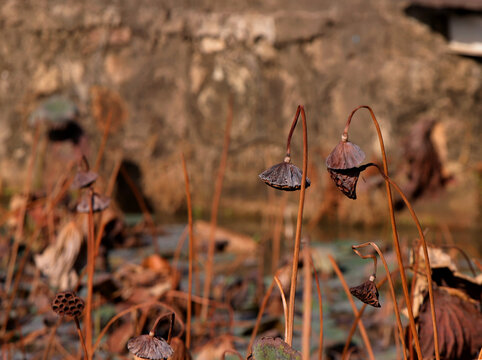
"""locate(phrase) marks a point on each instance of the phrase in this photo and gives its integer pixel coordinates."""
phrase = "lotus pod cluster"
(67, 303)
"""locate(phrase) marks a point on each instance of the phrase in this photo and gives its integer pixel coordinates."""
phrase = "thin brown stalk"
(428, 271)
(22, 210)
(320, 307)
(130, 309)
(232, 351)
(299, 220)
(278, 228)
(142, 204)
(353, 306)
(179, 246)
(90, 278)
(396, 241)
(260, 315)
(390, 283)
(81, 337)
(358, 317)
(51, 339)
(201, 300)
(100, 153)
(307, 301)
(283, 300)
(214, 210)
(191, 253)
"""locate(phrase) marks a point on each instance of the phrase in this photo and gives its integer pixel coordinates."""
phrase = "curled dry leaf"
(345, 155)
(459, 325)
(57, 260)
(284, 176)
(150, 347)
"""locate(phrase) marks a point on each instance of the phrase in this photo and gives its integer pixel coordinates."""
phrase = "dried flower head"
(150, 347)
(284, 176)
(67, 303)
(99, 203)
(345, 155)
(367, 292)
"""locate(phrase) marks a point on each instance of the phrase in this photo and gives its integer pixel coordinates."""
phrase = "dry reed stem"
(209, 302)
(81, 337)
(428, 271)
(278, 228)
(130, 309)
(360, 313)
(90, 278)
(283, 300)
(390, 283)
(191, 253)
(396, 241)
(22, 211)
(353, 306)
(179, 246)
(142, 204)
(260, 315)
(299, 220)
(232, 351)
(214, 209)
(320, 307)
(307, 301)
(51, 339)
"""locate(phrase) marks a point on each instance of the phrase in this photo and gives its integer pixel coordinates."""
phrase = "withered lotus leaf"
(268, 348)
(149, 347)
(346, 180)
(367, 292)
(345, 155)
(284, 176)
(459, 325)
(83, 179)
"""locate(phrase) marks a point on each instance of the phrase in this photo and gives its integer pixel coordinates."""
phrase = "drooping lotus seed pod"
(284, 176)
(367, 292)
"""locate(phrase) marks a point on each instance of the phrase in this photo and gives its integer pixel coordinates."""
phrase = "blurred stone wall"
(173, 65)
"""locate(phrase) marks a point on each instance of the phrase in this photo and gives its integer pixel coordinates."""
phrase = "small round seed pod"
(67, 303)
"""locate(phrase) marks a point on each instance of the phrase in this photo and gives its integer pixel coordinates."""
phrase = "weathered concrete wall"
(174, 64)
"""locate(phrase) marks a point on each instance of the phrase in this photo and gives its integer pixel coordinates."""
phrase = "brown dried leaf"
(459, 325)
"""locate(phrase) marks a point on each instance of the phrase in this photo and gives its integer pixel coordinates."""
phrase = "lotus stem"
(299, 220)
(307, 301)
(396, 241)
(390, 283)
(363, 332)
(214, 210)
(285, 307)
(320, 307)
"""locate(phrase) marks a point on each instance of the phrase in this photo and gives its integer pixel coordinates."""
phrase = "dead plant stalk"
(299, 220)
(191, 253)
(396, 241)
(214, 210)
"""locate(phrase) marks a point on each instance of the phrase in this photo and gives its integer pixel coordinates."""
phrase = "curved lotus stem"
(396, 241)
(283, 299)
(370, 256)
(292, 129)
(390, 283)
(296, 253)
(363, 332)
